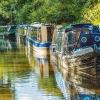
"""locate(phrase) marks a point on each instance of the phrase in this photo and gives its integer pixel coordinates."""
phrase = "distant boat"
(12, 32)
(8, 31)
(3, 31)
(8, 37)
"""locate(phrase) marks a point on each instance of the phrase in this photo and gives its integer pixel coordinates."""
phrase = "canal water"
(26, 78)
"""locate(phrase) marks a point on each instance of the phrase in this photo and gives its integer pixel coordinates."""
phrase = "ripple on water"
(24, 82)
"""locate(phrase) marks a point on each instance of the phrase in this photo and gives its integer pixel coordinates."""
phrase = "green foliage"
(92, 15)
(47, 11)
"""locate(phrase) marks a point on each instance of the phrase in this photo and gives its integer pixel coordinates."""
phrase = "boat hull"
(38, 48)
(39, 51)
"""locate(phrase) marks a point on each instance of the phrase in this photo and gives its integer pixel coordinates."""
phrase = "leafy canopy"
(49, 11)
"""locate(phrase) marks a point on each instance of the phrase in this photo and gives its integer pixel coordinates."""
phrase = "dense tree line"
(49, 11)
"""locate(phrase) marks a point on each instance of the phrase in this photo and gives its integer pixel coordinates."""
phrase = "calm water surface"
(24, 78)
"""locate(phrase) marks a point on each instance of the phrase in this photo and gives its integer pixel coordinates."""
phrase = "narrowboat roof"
(68, 29)
(91, 27)
(36, 25)
(63, 28)
(84, 25)
(12, 28)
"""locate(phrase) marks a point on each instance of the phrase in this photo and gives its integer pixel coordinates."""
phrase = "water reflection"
(46, 81)
(25, 77)
(44, 67)
(6, 94)
(12, 66)
(78, 82)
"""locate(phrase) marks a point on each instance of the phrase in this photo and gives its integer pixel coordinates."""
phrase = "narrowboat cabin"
(78, 42)
(12, 32)
(7, 37)
(40, 38)
(22, 32)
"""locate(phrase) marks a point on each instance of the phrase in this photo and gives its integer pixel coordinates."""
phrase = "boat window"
(35, 33)
(58, 39)
(65, 51)
(85, 30)
(54, 36)
(84, 39)
(70, 41)
(38, 34)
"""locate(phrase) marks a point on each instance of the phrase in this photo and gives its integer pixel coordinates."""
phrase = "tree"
(92, 14)
(49, 11)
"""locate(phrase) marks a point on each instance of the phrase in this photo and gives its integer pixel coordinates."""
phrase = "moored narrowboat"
(78, 42)
(40, 38)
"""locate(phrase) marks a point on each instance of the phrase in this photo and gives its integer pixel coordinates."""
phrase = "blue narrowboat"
(76, 42)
